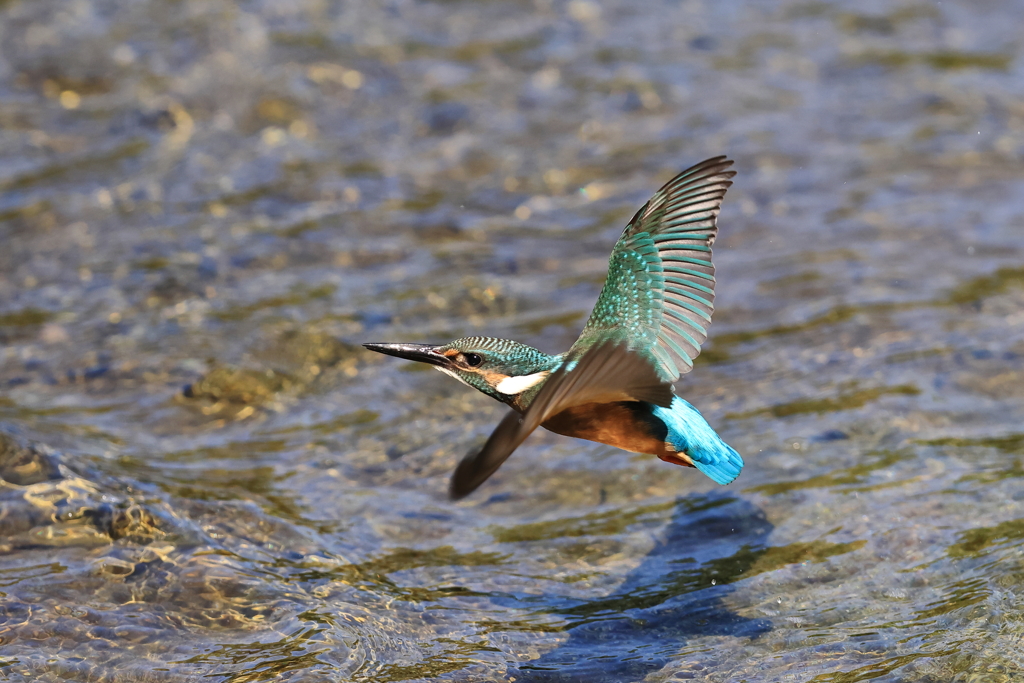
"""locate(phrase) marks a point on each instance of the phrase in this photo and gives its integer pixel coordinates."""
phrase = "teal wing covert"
(660, 288)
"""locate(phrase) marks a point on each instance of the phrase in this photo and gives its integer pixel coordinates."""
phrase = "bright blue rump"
(690, 433)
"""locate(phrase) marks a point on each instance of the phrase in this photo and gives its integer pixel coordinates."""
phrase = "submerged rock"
(238, 385)
(23, 465)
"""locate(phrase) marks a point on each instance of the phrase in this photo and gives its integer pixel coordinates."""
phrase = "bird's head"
(501, 368)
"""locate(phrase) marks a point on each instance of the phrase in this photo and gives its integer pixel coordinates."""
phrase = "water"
(231, 197)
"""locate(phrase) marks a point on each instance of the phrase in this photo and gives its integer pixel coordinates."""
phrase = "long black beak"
(424, 353)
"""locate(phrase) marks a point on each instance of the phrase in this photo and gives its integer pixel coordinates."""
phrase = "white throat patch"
(516, 385)
(452, 373)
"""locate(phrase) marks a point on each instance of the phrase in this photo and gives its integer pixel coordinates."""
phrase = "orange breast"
(626, 425)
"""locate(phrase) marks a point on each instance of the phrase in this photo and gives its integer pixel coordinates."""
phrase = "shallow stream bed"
(206, 206)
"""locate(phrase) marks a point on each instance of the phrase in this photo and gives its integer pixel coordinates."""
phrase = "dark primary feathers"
(660, 289)
(606, 372)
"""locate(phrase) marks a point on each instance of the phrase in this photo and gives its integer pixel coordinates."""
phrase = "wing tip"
(718, 159)
(715, 167)
(457, 492)
(465, 479)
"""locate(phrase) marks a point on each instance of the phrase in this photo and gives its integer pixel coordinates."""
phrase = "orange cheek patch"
(493, 378)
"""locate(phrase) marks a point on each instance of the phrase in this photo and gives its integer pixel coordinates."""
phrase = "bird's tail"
(690, 433)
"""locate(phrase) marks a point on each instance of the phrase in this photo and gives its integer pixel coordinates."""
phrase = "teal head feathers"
(614, 385)
(506, 370)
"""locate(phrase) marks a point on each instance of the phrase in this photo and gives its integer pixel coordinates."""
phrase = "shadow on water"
(676, 594)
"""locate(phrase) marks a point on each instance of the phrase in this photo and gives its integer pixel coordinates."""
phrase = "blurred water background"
(231, 196)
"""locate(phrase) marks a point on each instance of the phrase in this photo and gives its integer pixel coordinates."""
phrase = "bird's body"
(614, 385)
(678, 434)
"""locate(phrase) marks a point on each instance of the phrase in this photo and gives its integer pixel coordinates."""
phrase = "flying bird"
(615, 384)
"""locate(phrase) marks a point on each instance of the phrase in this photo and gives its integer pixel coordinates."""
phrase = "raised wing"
(660, 290)
(606, 371)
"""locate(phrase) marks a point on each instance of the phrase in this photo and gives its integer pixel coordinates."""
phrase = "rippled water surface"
(230, 197)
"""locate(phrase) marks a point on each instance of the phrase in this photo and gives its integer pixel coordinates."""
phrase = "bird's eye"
(473, 359)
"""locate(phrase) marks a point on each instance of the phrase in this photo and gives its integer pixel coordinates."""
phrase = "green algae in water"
(1014, 471)
(776, 557)
(539, 623)
(598, 523)
(789, 281)
(712, 355)
(746, 562)
(847, 401)
(25, 318)
(26, 211)
(968, 60)
(375, 574)
(858, 474)
(299, 229)
(863, 23)
(940, 60)
(839, 314)
(401, 559)
(452, 659)
(241, 386)
(154, 263)
(722, 342)
(306, 353)
(362, 169)
(1011, 443)
(298, 651)
(910, 356)
(879, 669)
(224, 483)
(987, 285)
(980, 540)
(960, 595)
(103, 161)
(298, 297)
(537, 325)
(750, 51)
(357, 418)
(237, 450)
(425, 200)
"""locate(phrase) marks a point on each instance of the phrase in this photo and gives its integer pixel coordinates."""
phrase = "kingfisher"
(615, 385)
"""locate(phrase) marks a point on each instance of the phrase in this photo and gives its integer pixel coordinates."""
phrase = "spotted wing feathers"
(661, 281)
